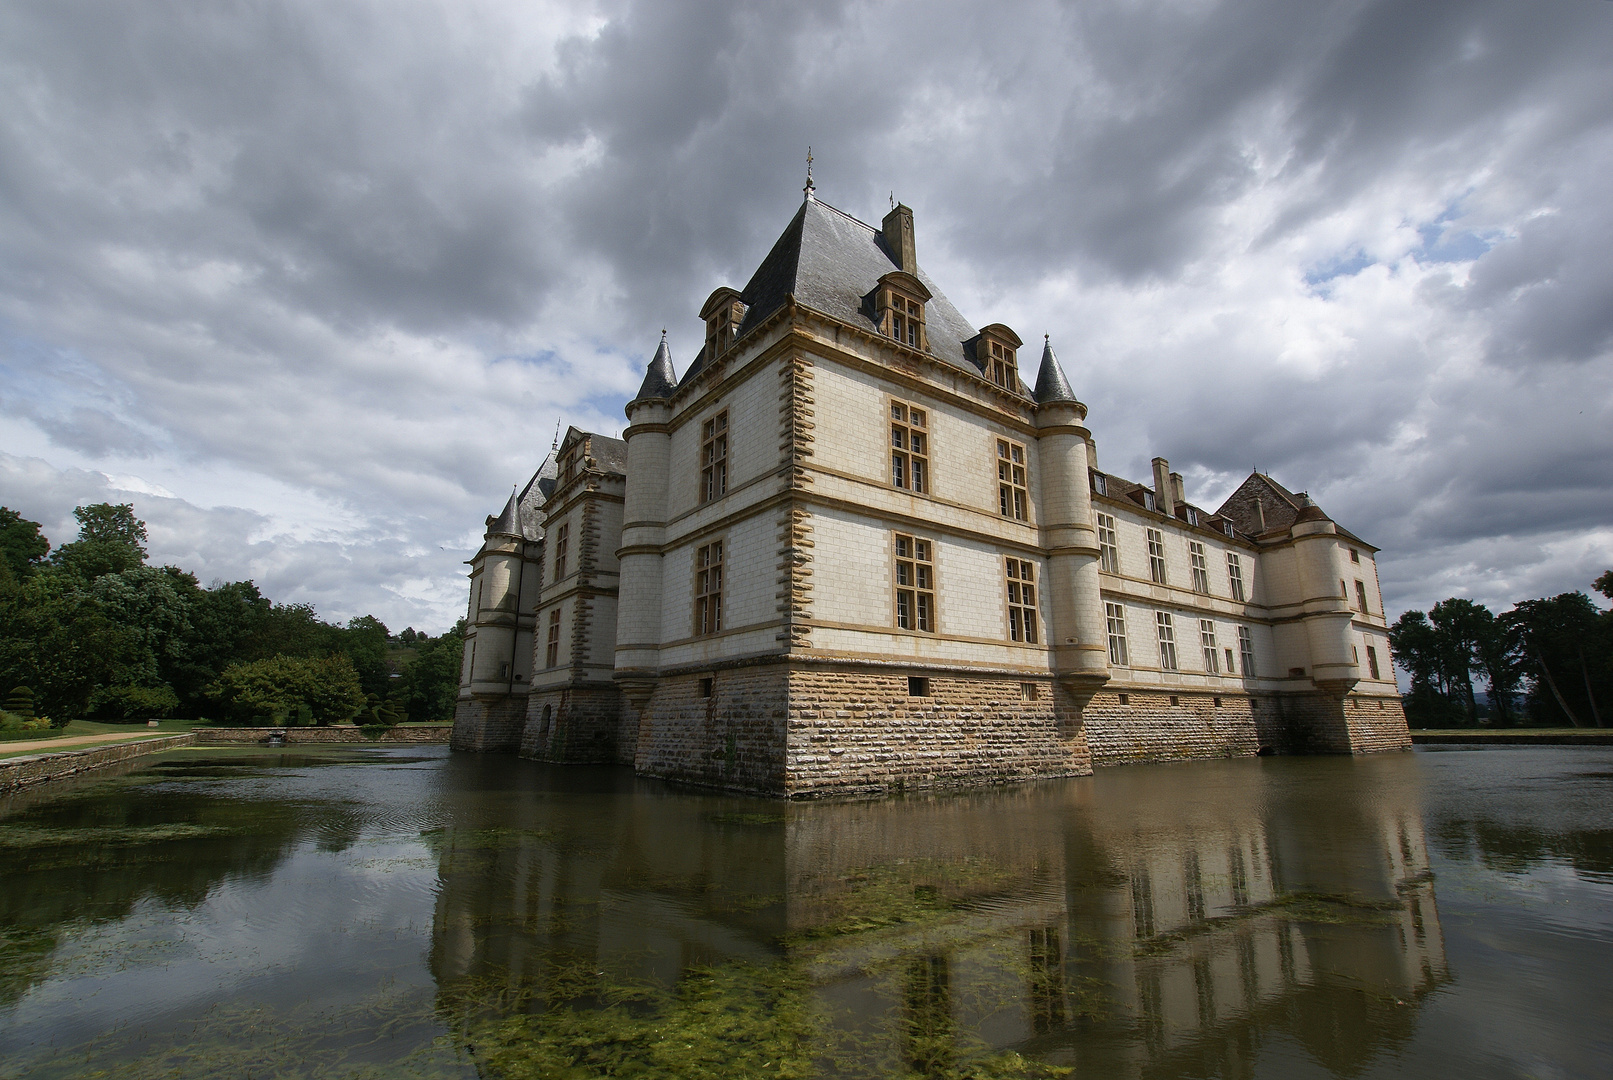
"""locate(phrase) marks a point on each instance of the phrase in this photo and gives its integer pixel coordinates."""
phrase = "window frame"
(562, 548)
(1002, 366)
(1156, 556)
(1212, 656)
(908, 464)
(1200, 566)
(1361, 596)
(913, 584)
(1013, 480)
(1114, 616)
(1108, 546)
(1246, 652)
(1372, 663)
(1023, 619)
(551, 652)
(1165, 631)
(715, 451)
(1235, 578)
(709, 565)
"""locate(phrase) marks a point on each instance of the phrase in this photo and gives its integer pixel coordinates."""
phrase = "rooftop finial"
(893, 199)
(555, 445)
(810, 188)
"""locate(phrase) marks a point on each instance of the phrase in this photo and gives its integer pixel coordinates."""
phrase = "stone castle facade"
(849, 551)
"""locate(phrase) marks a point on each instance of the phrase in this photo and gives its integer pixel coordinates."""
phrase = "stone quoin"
(849, 551)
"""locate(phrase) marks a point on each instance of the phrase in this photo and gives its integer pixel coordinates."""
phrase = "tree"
(364, 641)
(109, 524)
(431, 683)
(110, 540)
(21, 546)
(56, 638)
(1565, 641)
(277, 689)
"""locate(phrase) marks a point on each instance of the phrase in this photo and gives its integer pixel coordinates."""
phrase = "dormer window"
(996, 350)
(1004, 372)
(722, 312)
(1148, 500)
(899, 309)
(1100, 484)
(1192, 516)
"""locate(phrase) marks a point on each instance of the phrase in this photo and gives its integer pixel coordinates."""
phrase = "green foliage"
(20, 702)
(96, 631)
(127, 702)
(1567, 656)
(21, 546)
(431, 684)
(12, 725)
(112, 524)
(278, 689)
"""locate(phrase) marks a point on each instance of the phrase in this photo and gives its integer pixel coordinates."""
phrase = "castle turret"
(1076, 627)
(638, 620)
(497, 664)
(1319, 560)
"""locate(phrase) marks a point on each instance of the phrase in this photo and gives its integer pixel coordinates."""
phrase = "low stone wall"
(22, 772)
(306, 736)
(732, 739)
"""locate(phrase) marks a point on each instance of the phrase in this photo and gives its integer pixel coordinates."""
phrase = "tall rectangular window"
(714, 457)
(1021, 601)
(1156, 556)
(1212, 658)
(1100, 484)
(1167, 640)
(1235, 575)
(1108, 545)
(1201, 569)
(551, 654)
(1372, 661)
(915, 584)
(562, 545)
(1246, 652)
(708, 588)
(1004, 372)
(1013, 498)
(910, 448)
(1115, 615)
(1361, 597)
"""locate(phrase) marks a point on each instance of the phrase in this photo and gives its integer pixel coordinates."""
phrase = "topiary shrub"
(20, 702)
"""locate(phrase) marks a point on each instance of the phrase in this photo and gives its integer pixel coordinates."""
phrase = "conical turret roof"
(508, 523)
(660, 380)
(1051, 385)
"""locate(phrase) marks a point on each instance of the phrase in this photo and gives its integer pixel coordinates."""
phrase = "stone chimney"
(897, 228)
(1164, 493)
(1176, 488)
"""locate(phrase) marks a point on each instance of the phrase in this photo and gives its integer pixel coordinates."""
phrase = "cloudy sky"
(311, 283)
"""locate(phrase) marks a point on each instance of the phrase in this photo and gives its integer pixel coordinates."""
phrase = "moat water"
(412, 913)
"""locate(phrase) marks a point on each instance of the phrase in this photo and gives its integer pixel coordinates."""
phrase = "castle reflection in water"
(1148, 921)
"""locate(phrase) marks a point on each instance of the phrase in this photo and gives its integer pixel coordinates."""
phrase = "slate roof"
(610, 455)
(1118, 487)
(1282, 508)
(1051, 385)
(508, 522)
(830, 262)
(659, 380)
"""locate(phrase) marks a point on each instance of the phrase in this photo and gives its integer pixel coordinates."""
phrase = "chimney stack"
(1176, 488)
(897, 229)
(1164, 497)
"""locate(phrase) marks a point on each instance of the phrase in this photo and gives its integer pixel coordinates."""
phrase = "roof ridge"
(849, 217)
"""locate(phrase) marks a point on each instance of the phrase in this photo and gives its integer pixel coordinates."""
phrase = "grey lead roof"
(830, 262)
(508, 522)
(1051, 385)
(659, 380)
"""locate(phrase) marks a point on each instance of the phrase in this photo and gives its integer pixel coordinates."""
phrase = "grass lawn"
(92, 727)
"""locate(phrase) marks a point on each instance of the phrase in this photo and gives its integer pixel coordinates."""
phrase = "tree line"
(1546, 662)
(91, 630)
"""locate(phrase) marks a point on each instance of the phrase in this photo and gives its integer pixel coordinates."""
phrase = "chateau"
(850, 551)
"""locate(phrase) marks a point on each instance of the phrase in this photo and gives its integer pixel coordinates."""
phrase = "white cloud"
(322, 277)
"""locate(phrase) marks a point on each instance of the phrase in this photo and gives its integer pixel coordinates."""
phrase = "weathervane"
(554, 447)
(810, 186)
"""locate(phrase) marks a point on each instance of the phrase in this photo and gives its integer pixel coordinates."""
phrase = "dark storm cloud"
(367, 253)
